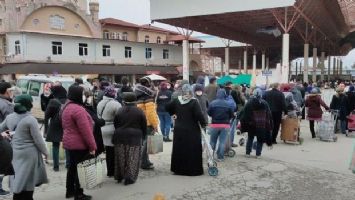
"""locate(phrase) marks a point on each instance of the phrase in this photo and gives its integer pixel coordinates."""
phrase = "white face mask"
(198, 93)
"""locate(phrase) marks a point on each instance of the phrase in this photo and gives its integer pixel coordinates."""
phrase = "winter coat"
(238, 99)
(123, 89)
(314, 103)
(297, 96)
(107, 109)
(276, 100)
(77, 128)
(98, 123)
(28, 147)
(203, 101)
(163, 98)
(351, 98)
(130, 126)
(6, 108)
(219, 110)
(256, 119)
(211, 91)
(145, 101)
(5, 157)
(340, 103)
(52, 124)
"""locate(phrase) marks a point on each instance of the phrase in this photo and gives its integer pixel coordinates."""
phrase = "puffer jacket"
(77, 128)
(219, 110)
(150, 110)
(314, 103)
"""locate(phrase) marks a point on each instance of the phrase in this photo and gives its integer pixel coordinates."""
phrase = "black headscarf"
(75, 94)
(59, 92)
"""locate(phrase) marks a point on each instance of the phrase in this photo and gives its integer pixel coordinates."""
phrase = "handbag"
(155, 143)
(91, 172)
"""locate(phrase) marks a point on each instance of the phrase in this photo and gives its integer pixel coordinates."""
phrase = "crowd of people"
(118, 122)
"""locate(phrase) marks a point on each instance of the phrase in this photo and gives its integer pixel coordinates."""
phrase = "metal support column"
(254, 62)
(263, 61)
(322, 60)
(240, 66)
(227, 63)
(341, 68)
(185, 60)
(314, 69)
(329, 64)
(285, 57)
(306, 63)
(245, 62)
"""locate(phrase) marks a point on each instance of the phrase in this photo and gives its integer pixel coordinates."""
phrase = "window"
(83, 49)
(17, 47)
(57, 48)
(34, 88)
(106, 50)
(115, 36)
(106, 35)
(23, 84)
(146, 39)
(125, 36)
(158, 40)
(57, 22)
(165, 53)
(148, 53)
(128, 52)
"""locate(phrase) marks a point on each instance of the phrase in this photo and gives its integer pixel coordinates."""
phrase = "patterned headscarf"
(187, 94)
(110, 92)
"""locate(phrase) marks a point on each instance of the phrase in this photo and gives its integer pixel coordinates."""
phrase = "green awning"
(242, 79)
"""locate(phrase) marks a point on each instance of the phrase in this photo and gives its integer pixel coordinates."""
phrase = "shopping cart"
(211, 163)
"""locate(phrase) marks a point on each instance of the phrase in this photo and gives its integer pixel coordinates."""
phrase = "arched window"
(146, 39)
(125, 36)
(158, 40)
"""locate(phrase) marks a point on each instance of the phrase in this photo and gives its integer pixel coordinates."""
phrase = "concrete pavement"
(314, 170)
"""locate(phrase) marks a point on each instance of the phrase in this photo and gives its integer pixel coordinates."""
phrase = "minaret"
(83, 4)
(94, 10)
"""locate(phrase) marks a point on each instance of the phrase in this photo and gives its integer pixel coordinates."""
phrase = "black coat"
(98, 123)
(5, 157)
(131, 126)
(52, 123)
(340, 103)
(351, 98)
(276, 100)
(186, 158)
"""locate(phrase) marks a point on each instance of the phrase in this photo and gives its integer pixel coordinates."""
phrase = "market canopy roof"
(77, 68)
(261, 23)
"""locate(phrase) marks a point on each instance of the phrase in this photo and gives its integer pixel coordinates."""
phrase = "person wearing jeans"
(163, 98)
(165, 125)
(257, 120)
(220, 135)
(221, 113)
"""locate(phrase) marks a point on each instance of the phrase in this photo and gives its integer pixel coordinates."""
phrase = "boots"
(166, 139)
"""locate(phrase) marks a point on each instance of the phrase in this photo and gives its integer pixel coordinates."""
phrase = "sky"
(138, 12)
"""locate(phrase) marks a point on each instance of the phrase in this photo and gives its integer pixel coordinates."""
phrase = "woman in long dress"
(28, 147)
(131, 126)
(186, 156)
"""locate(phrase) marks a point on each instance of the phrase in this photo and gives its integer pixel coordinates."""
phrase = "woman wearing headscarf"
(28, 147)
(131, 127)
(314, 103)
(186, 156)
(351, 97)
(52, 123)
(107, 109)
(78, 139)
(256, 119)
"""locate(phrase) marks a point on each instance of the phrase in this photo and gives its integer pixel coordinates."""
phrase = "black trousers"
(311, 127)
(276, 118)
(73, 185)
(25, 195)
(110, 160)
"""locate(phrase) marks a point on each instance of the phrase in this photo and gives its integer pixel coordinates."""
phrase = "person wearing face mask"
(78, 139)
(186, 158)
(6, 108)
(202, 99)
